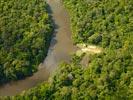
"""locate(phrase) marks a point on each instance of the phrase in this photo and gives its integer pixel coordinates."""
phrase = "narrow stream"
(60, 50)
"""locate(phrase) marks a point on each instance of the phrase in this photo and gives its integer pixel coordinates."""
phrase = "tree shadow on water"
(56, 27)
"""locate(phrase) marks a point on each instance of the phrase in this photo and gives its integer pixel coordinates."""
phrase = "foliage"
(109, 75)
(101, 22)
(25, 31)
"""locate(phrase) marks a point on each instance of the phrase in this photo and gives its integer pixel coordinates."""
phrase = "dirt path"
(89, 49)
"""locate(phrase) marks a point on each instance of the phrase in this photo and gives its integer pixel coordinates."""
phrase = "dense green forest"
(25, 31)
(109, 75)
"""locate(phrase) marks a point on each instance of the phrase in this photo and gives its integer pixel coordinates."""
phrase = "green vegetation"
(101, 22)
(25, 32)
(100, 81)
(109, 75)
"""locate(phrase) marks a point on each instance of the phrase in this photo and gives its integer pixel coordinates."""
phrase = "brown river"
(61, 48)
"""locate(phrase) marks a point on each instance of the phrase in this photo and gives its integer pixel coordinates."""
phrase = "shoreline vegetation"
(107, 26)
(25, 33)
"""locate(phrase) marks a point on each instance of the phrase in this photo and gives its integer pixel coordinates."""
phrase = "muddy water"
(60, 50)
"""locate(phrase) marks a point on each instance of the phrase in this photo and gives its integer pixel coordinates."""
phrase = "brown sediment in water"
(60, 49)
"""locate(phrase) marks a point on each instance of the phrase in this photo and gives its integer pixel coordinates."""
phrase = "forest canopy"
(25, 32)
(109, 75)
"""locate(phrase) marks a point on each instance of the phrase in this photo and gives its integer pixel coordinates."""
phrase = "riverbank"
(60, 49)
